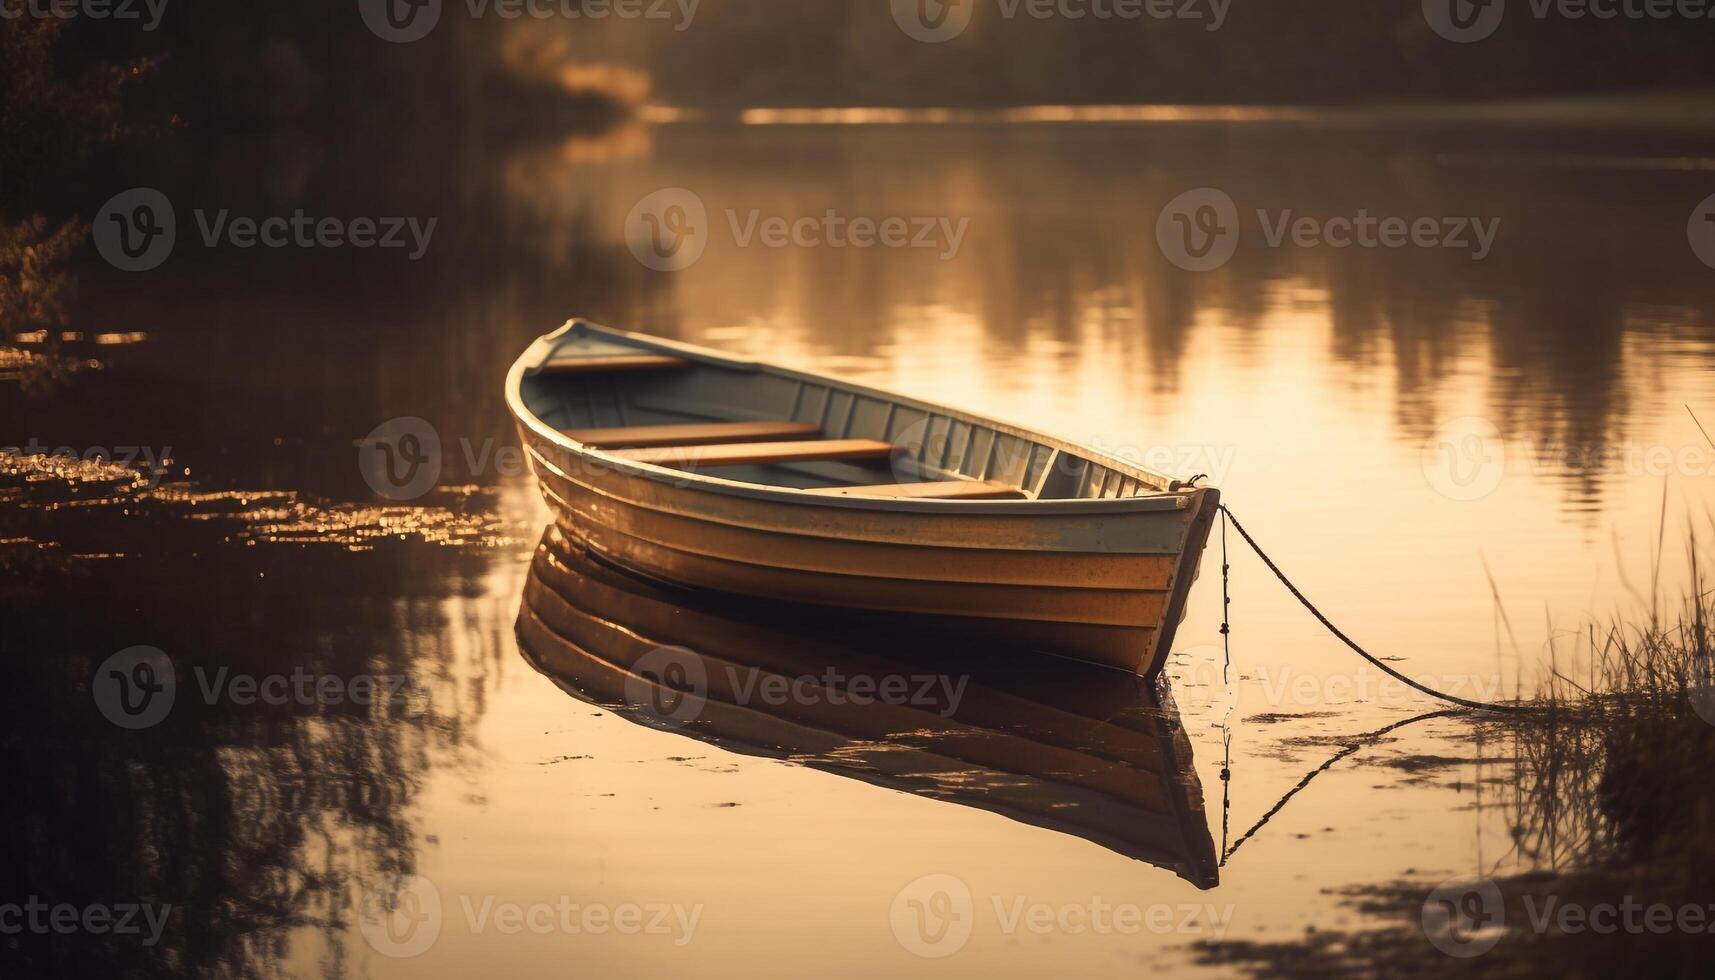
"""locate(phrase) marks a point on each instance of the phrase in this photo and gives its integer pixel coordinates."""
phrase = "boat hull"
(1108, 588)
(1086, 555)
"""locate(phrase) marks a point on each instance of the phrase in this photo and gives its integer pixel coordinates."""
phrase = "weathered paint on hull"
(1107, 588)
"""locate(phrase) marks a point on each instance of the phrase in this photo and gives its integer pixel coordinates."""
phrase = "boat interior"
(738, 421)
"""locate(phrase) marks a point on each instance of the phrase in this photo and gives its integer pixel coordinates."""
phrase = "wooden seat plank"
(616, 362)
(941, 490)
(738, 454)
(705, 434)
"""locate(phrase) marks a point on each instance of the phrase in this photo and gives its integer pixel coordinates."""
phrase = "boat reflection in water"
(1066, 746)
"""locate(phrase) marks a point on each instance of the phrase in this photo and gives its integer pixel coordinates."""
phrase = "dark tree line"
(786, 52)
(314, 64)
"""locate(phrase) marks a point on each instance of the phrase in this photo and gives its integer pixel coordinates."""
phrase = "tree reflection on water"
(257, 823)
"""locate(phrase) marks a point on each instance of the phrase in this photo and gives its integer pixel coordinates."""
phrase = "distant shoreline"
(1677, 110)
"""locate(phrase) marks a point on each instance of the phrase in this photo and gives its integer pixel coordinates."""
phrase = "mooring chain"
(1227, 682)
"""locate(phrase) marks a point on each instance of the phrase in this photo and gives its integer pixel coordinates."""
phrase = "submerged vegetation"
(55, 106)
(34, 287)
(1611, 790)
(1609, 805)
(58, 101)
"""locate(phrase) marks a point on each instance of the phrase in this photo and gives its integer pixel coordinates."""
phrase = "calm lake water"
(1411, 432)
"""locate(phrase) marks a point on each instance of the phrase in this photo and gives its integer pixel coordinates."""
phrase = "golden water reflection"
(1331, 392)
(1087, 752)
(1307, 382)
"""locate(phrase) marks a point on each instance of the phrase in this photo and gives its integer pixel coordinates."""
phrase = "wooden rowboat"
(1074, 752)
(719, 472)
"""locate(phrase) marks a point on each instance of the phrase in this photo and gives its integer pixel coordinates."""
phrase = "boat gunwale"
(543, 348)
(538, 459)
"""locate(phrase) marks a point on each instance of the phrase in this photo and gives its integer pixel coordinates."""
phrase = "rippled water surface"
(1456, 458)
